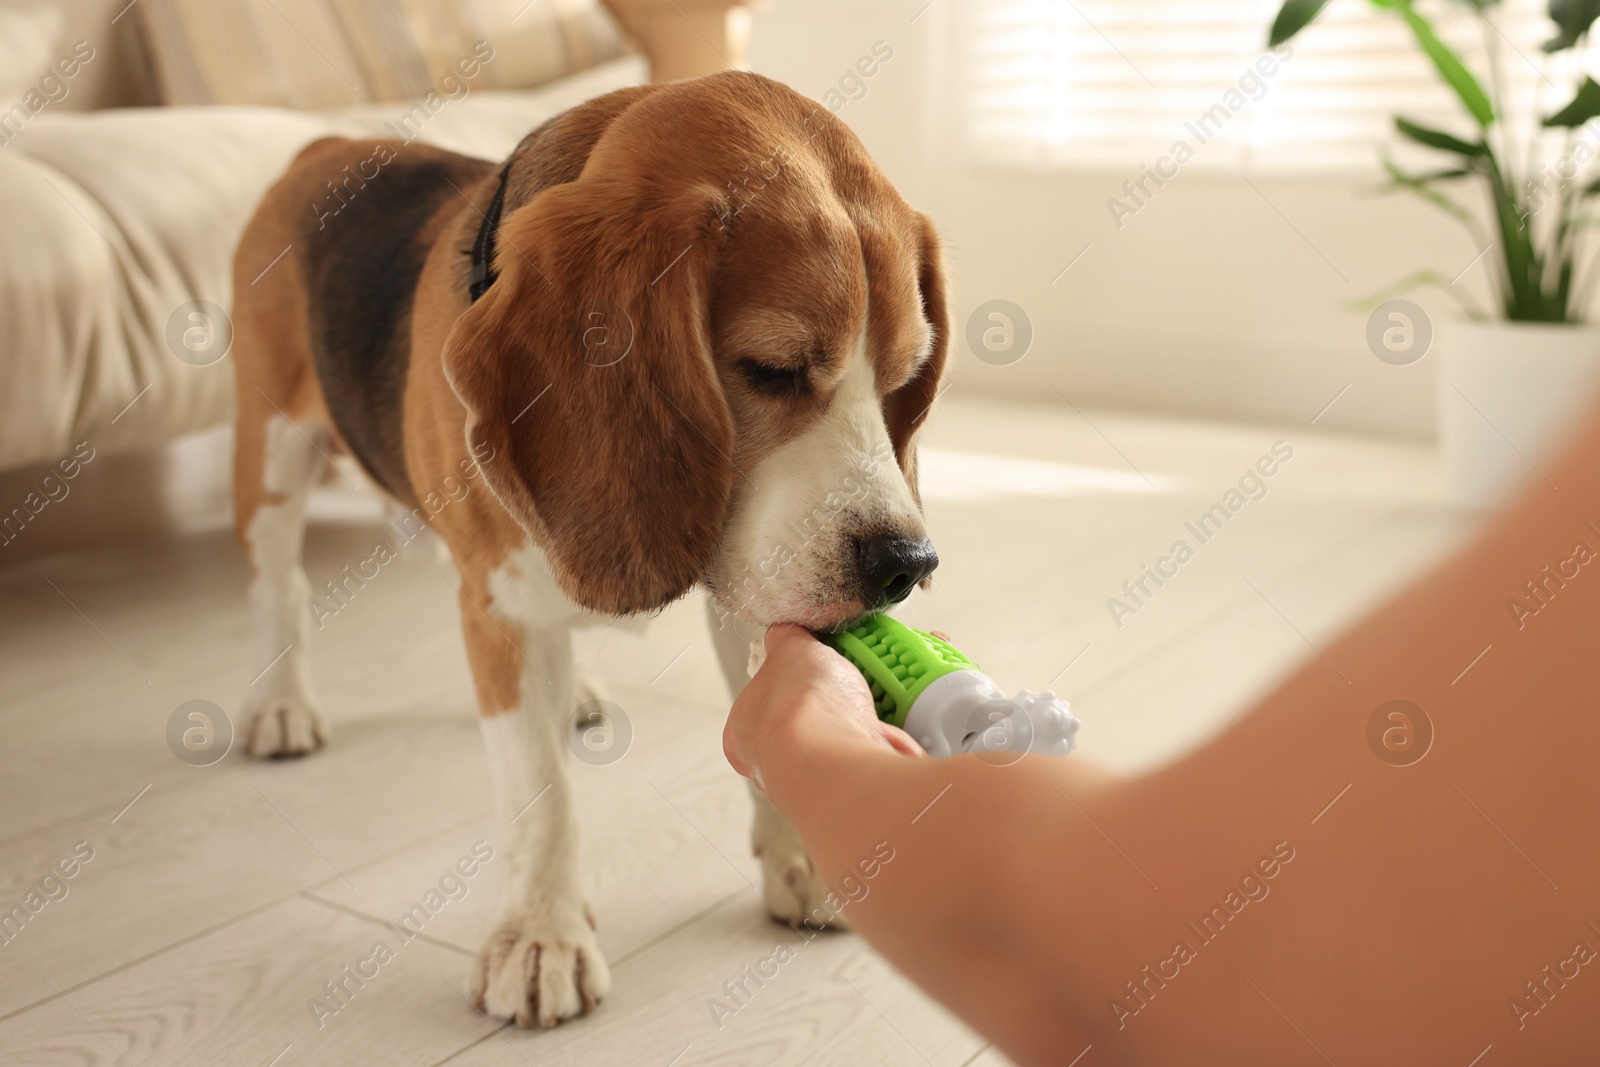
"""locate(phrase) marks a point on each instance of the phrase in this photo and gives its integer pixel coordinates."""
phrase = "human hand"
(805, 693)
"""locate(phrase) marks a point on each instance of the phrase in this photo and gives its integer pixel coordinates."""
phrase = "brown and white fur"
(772, 333)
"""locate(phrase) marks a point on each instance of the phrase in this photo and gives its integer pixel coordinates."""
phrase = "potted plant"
(1511, 385)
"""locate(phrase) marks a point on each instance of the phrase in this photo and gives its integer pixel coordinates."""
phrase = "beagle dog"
(685, 335)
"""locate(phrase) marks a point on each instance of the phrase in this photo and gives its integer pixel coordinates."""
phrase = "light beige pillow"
(331, 53)
(29, 41)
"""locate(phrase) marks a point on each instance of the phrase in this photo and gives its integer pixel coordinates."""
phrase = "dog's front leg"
(541, 964)
(792, 889)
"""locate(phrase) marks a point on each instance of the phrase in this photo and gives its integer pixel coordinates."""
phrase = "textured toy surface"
(898, 661)
(926, 687)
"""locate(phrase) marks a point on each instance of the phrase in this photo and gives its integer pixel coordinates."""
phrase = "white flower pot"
(1509, 394)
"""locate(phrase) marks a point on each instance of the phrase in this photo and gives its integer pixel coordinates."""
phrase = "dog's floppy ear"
(907, 408)
(588, 368)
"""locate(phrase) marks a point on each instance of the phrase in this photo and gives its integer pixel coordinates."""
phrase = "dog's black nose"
(892, 566)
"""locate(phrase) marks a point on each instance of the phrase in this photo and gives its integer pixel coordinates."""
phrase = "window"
(1116, 83)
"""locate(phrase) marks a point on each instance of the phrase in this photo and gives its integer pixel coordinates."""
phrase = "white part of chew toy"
(964, 711)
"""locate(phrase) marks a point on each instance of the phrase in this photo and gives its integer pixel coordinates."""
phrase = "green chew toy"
(899, 662)
(928, 688)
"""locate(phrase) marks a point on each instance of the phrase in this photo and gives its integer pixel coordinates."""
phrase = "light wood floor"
(220, 899)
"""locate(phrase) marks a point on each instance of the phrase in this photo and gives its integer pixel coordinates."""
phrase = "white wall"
(1218, 298)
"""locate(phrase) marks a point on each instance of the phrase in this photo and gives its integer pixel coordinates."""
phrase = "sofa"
(120, 221)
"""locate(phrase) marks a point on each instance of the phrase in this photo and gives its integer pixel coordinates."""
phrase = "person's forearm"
(1431, 775)
(972, 846)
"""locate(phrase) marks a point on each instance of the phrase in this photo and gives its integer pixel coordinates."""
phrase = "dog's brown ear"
(587, 366)
(907, 408)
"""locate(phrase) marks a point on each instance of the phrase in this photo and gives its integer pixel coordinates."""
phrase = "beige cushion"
(116, 219)
(28, 33)
(328, 53)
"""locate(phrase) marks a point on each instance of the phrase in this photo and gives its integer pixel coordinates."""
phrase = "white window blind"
(1113, 83)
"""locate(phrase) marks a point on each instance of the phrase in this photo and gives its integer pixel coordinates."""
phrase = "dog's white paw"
(283, 727)
(790, 886)
(539, 971)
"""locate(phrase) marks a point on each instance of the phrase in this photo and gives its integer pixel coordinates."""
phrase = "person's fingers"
(784, 634)
(803, 689)
(900, 741)
(797, 658)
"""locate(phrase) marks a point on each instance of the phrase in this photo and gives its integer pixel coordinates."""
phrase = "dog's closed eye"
(775, 380)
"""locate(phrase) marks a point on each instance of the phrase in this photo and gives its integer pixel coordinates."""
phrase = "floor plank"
(244, 994)
(829, 1002)
(240, 835)
(665, 835)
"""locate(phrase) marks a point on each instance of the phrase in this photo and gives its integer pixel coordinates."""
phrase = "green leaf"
(1418, 184)
(1584, 106)
(1293, 17)
(1444, 142)
(1431, 176)
(1449, 66)
(1414, 281)
(1573, 19)
(1522, 298)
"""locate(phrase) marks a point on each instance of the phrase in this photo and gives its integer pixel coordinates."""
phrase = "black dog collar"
(483, 275)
